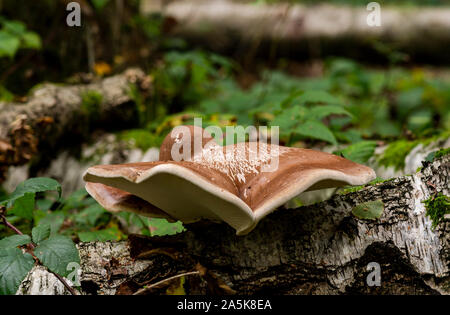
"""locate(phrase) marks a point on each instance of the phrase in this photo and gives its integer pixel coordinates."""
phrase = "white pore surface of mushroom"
(198, 179)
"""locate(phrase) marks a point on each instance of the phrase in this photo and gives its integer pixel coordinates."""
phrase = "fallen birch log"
(56, 113)
(319, 249)
(297, 30)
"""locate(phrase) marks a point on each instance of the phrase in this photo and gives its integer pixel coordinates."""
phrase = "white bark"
(318, 249)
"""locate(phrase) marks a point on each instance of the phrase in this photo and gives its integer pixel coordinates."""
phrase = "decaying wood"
(55, 113)
(245, 28)
(318, 249)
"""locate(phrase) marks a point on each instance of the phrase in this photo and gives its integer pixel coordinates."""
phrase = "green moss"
(395, 154)
(141, 138)
(437, 206)
(90, 104)
(351, 189)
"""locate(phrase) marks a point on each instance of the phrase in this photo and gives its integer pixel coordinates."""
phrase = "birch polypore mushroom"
(198, 179)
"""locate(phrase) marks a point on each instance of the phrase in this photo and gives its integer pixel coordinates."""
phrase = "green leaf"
(14, 266)
(24, 206)
(317, 96)
(111, 234)
(99, 4)
(14, 27)
(322, 111)
(90, 215)
(14, 241)
(9, 44)
(34, 185)
(316, 130)
(31, 40)
(359, 152)
(160, 227)
(370, 210)
(40, 232)
(55, 220)
(56, 253)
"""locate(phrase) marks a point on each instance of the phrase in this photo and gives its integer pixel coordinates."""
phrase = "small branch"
(9, 225)
(148, 288)
(32, 246)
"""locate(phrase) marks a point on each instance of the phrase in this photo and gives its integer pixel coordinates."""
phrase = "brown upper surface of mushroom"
(238, 184)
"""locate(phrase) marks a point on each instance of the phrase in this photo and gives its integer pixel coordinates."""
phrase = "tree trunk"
(56, 114)
(318, 249)
(299, 31)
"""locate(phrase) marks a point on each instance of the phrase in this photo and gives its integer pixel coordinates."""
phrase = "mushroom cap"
(231, 183)
(185, 136)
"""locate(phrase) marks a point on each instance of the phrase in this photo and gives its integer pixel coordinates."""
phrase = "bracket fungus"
(195, 178)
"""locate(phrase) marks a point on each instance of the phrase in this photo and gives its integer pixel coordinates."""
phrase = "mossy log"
(57, 115)
(317, 249)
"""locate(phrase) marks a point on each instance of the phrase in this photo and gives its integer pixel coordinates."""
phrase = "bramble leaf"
(14, 266)
(24, 206)
(14, 241)
(316, 130)
(359, 152)
(33, 185)
(56, 253)
(40, 232)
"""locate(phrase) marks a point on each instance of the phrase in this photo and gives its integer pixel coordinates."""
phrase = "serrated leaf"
(317, 96)
(34, 185)
(323, 111)
(14, 241)
(40, 232)
(370, 210)
(111, 234)
(316, 130)
(55, 220)
(56, 253)
(359, 152)
(14, 266)
(24, 206)
(9, 44)
(90, 215)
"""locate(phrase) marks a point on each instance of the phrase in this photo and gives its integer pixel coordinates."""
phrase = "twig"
(148, 288)
(32, 246)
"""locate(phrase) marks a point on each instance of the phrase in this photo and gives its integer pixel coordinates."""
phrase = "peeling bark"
(54, 113)
(318, 249)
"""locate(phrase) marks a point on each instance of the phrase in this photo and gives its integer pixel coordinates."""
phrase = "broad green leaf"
(55, 220)
(14, 266)
(317, 96)
(34, 185)
(90, 215)
(56, 253)
(24, 206)
(31, 40)
(40, 232)
(160, 227)
(14, 27)
(8, 44)
(286, 120)
(370, 210)
(14, 241)
(110, 234)
(359, 152)
(316, 130)
(322, 111)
